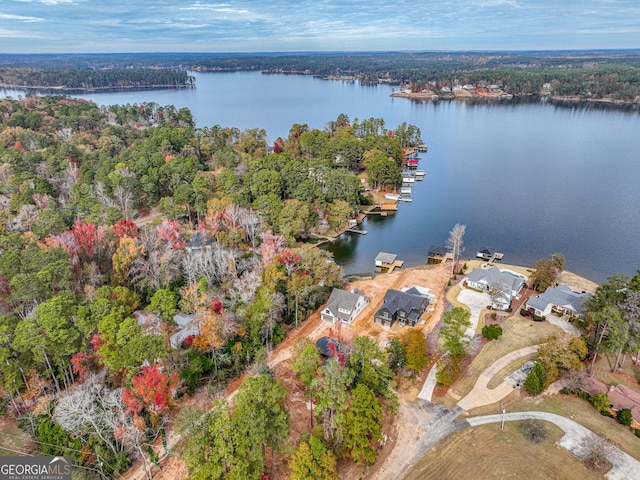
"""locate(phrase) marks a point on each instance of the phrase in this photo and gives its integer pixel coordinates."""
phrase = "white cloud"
(4, 33)
(22, 18)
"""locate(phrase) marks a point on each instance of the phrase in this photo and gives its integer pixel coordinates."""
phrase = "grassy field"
(486, 452)
(573, 407)
(517, 333)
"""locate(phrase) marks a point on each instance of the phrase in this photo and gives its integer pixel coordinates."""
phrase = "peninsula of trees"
(142, 258)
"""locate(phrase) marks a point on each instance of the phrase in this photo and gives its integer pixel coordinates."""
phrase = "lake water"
(528, 179)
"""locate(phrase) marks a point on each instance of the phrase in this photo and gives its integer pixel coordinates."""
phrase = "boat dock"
(356, 230)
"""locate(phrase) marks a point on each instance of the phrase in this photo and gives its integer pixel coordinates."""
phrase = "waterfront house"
(560, 299)
(502, 286)
(402, 307)
(344, 306)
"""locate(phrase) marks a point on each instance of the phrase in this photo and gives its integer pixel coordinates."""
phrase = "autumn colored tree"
(125, 228)
(126, 253)
(416, 352)
(153, 391)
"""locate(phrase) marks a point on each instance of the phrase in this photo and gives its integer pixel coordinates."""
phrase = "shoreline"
(518, 97)
(59, 89)
(568, 277)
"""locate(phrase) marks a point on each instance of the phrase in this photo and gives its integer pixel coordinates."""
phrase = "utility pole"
(503, 412)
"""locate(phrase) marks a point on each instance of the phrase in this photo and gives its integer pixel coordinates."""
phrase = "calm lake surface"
(528, 179)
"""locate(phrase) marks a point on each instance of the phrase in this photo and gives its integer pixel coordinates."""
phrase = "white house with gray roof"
(561, 299)
(344, 306)
(502, 286)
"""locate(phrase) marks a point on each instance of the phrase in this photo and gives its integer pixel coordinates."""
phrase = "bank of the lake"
(527, 178)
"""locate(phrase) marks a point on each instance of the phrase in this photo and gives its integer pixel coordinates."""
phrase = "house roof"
(561, 296)
(411, 303)
(198, 240)
(437, 251)
(341, 299)
(324, 343)
(386, 257)
(496, 279)
(620, 396)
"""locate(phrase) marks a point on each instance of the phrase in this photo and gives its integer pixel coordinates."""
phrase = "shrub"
(600, 401)
(534, 383)
(492, 332)
(449, 283)
(606, 413)
(535, 431)
(524, 312)
(447, 370)
(636, 431)
(624, 417)
(584, 395)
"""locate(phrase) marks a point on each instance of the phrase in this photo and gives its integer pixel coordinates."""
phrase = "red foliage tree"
(81, 365)
(271, 246)
(125, 228)
(171, 232)
(289, 260)
(152, 390)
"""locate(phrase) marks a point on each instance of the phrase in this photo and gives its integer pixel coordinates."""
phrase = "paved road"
(476, 301)
(481, 395)
(575, 440)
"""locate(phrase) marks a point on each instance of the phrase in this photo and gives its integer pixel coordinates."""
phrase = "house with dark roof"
(198, 241)
(436, 254)
(402, 307)
(502, 286)
(343, 306)
(329, 347)
(560, 299)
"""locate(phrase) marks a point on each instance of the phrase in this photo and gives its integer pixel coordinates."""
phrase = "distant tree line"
(89, 79)
(606, 74)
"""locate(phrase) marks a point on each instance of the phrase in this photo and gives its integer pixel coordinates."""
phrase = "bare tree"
(161, 262)
(454, 243)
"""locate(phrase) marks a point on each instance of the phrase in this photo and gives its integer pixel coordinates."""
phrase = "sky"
(103, 26)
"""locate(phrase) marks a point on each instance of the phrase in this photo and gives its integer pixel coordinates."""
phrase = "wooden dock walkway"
(356, 230)
(394, 265)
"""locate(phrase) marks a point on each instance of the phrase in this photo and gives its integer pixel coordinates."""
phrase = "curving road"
(575, 440)
(481, 395)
